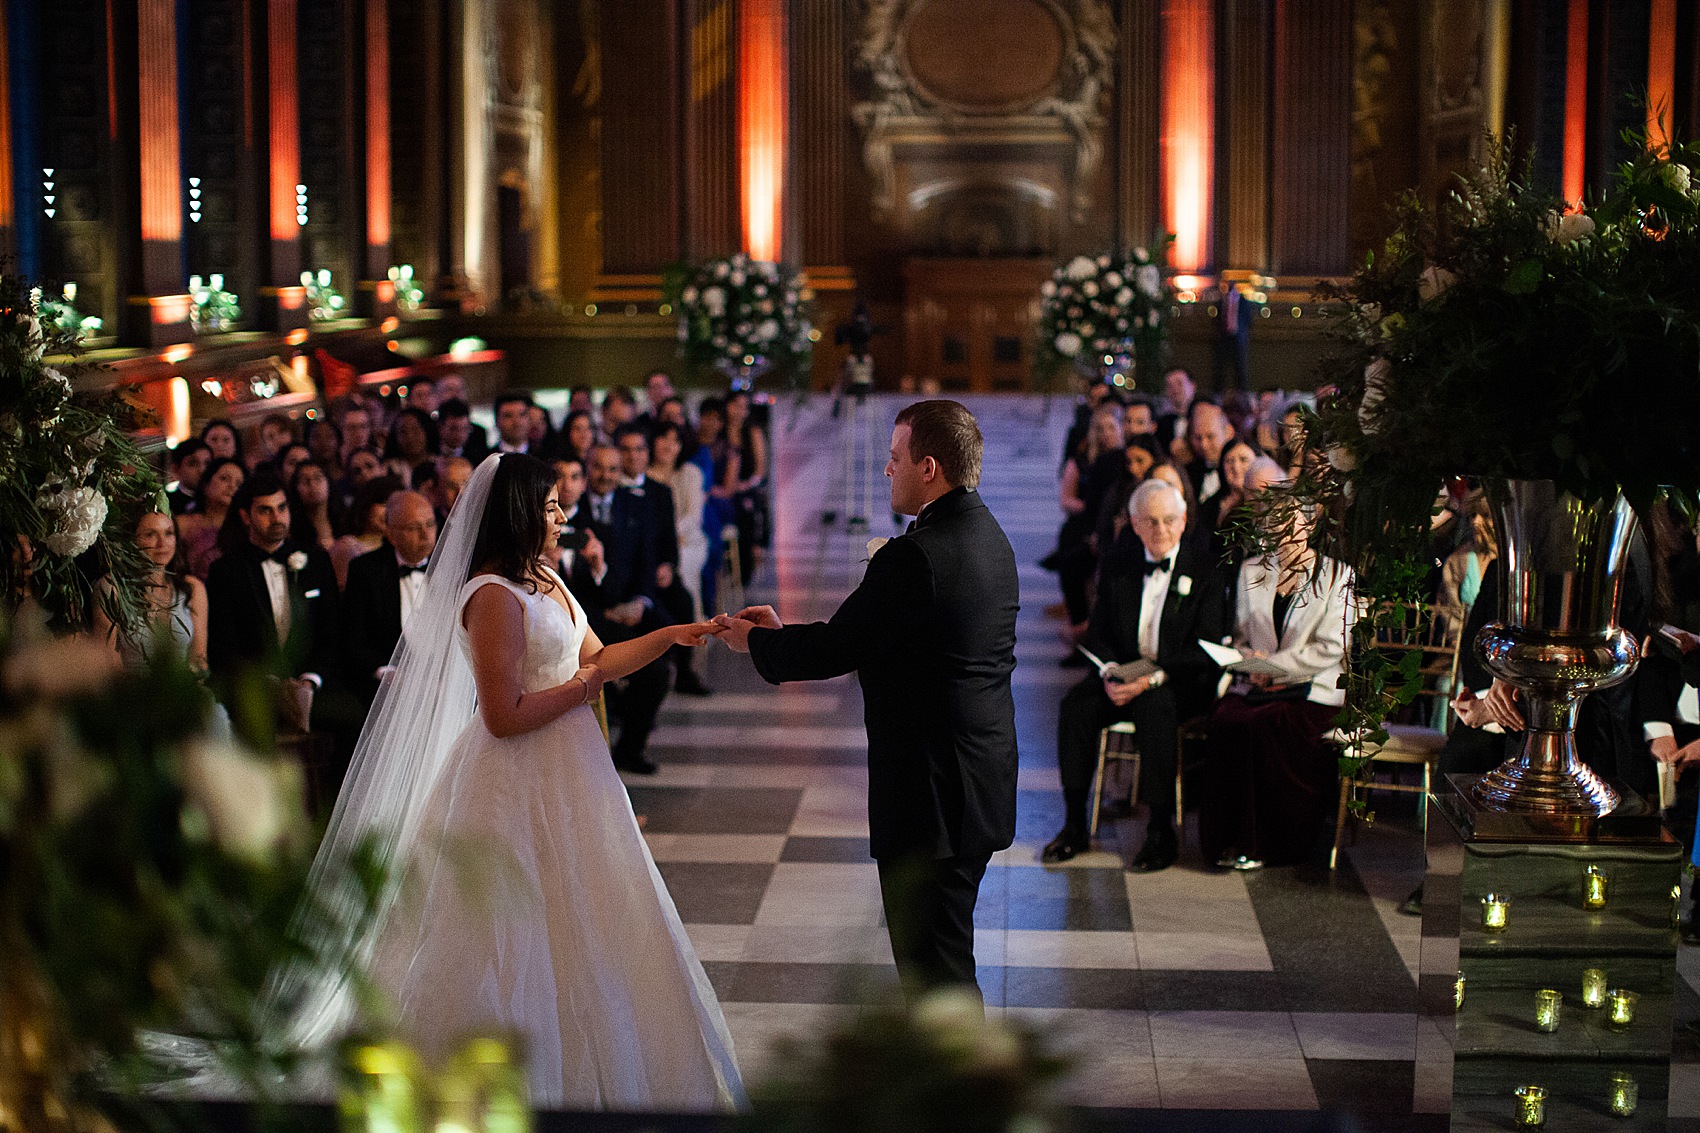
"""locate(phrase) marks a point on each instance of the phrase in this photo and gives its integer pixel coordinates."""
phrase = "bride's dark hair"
(511, 538)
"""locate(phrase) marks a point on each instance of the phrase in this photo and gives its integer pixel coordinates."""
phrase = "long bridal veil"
(419, 711)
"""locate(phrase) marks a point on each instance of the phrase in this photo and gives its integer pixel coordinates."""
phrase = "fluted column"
(822, 118)
(1138, 100)
(156, 311)
(1189, 121)
(764, 80)
(376, 296)
(1311, 162)
(1243, 148)
(641, 191)
(282, 303)
(711, 131)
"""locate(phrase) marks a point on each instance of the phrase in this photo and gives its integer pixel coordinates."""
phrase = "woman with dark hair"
(199, 529)
(365, 524)
(177, 600)
(221, 437)
(413, 437)
(486, 735)
(324, 440)
(578, 435)
(315, 514)
(289, 458)
(745, 482)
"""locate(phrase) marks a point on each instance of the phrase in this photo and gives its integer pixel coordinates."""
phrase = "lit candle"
(1594, 883)
(1458, 993)
(1620, 1008)
(383, 1088)
(1531, 1106)
(1494, 909)
(1625, 1093)
(1547, 1003)
(1594, 987)
(1676, 905)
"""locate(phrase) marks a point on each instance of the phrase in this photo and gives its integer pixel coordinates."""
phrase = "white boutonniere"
(1183, 585)
(298, 562)
(874, 546)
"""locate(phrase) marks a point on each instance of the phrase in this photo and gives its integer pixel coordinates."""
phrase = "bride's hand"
(694, 633)
(591, 675)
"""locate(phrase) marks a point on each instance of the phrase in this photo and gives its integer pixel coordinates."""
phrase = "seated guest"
(221, 437)
(579, 558)
(413, 437)
(290, 459)
(315, 514)
(277, 432)
(1156, 598)
(457, 436)
(673, 597)
(670, 467)
(746, 471)
(384, 588)
(580, 400)
(1139, 419)
(177, 601)
(1216, 515)
(422, 394)
(673, 412)
(198, 530)
(450, 385)
(324, 440)
(578, 435)
(619, 409)
(357, 431)
(1272, 777)
(452, 476)
(1207, 435)
(513, 422)
(622, 603)
(1175, 406)
(1086, 480)
(540, 434)
(365, 525)
(272, 606)
(1139, 457)
(189, 462)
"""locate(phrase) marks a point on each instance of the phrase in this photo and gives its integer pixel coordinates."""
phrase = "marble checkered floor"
(1191, 989)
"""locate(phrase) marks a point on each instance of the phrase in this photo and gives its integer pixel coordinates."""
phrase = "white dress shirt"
(412, 591)
(1687, 712)
(277, 586)
(601, 507)
(1151, 605)
(1210, 483)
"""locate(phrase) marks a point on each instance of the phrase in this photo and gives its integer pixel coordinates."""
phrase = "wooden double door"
(970, 324)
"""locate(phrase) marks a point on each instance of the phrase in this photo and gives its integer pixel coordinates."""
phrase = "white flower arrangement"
(742, 315)
(1104, 306)
(76, 516)
(297, 562)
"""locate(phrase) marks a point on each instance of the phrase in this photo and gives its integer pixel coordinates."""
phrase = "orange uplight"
(162, 204)
(762, 111)
(177, 411)
(296, 337)
(1188, 115)
(377, 124)
(1661, 71)
(285, 136)
(1571, 177)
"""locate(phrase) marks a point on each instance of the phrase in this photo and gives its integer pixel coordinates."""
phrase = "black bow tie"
(279, 556)
(1165, 565)
(407, 570)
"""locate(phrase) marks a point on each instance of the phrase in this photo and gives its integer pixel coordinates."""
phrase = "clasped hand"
(735, 628)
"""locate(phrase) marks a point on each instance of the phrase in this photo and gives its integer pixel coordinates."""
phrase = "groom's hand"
(735, 632)
(763, 616)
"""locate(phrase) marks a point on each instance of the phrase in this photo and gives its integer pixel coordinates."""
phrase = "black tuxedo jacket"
(663, 519)
(477, 446)
(632, 542)
(930, 634)
(371, 617)
(1205, 611)
(241, 632)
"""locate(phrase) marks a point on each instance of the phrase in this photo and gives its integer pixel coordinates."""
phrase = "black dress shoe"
(638, 765)
(689, 684)
(1062, 848)
(1159, 852)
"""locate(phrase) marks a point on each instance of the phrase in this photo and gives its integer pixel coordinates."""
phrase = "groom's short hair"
(947, 432)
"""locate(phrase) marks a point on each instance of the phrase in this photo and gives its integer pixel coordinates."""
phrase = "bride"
(484, 745)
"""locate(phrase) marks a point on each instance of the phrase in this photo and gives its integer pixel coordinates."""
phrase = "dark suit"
(371, 617)
(476, 448)
(930, 634)
(1189, 686)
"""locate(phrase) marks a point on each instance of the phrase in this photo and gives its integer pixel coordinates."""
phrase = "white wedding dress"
(534, 907)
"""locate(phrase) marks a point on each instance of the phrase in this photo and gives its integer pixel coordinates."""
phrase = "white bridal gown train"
(536, 908)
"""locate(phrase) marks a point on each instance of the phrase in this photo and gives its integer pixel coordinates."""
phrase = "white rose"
(1103, 261)
(1124, 296)
(1569, 227)
(1141, 255)
(714, 300)
(1047, 288)
(1676, 175)
(79, 514)
(767, 331)
(298, 562)
(1080, 268)
(1433, 282)
(1068, 344)
(720, 271)
(1341, 458)
(737, 279)
(1375, 392)
(252, 805)
(875, 544)
(1089, 289)
(53, 375)
(1150, 280)
(1113, 279)
(688, 295)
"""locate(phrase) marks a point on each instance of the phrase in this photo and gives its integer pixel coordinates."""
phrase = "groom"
(930, 633)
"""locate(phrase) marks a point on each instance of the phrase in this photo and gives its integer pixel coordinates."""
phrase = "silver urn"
(1561, 564)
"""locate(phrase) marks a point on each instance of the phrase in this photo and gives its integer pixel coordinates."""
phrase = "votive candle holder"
(1620, 1008)
(1531, 1106)
(1625, 1093)
(1593, 987)
(1547, 1003)
(1676, 905)
(1594, 886)
(1458, 993)
(1495, 909)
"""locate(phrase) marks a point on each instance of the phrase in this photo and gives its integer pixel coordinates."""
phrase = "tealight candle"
(1494, 909)
(1625, 1093)
(1594, 987)
(1676, 905)
(1594, 882)
(1458, 993)
(1547, 1003)
(1531, 1106)
(1620, 1008)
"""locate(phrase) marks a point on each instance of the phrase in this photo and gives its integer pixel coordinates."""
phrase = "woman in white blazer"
(1271, 778)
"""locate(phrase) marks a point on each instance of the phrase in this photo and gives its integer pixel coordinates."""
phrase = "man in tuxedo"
(384, 588)
(1157, 595)
(513, 422)
(670, 593)
(272, 608)
(620, 599)
(457, 436)
(930, 634)
(1207, 434)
